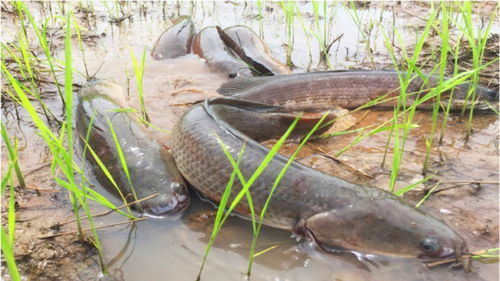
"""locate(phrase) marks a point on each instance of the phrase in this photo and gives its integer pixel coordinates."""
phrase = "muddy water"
(173, 249)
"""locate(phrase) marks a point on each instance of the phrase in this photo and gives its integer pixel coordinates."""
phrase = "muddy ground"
(467, 197)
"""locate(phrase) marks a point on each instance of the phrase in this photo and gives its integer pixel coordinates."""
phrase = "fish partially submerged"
(329, 210)
(175, 41)
(150, 165)
(347, 89)
(237, 51)
(207, 44)
(249, 47)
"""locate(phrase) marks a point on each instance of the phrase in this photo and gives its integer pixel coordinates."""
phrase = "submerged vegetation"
(29, 65)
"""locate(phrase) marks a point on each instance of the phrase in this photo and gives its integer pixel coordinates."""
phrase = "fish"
(247, 45)
(330, 211)
(175, 41)
(208, 45)
(151, 167)
(346, 89)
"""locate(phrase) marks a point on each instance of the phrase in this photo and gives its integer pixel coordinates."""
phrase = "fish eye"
(431, 245)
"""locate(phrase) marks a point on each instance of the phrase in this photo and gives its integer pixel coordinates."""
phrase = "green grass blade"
(121, 156)
(12, 151)
(8, 255)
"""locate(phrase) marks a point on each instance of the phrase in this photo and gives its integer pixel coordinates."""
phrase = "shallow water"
(159, 249)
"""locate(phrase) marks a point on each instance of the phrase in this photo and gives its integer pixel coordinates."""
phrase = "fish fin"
(340, 252)
(241, 84)
(248, 105)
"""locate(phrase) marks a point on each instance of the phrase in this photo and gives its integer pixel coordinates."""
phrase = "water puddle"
(156, 249)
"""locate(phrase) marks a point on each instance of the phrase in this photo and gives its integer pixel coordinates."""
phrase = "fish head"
(161, 179)
(484, 98)
(170, 202)
(386, 226)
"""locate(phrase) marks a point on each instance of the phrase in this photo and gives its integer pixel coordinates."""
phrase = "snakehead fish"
(247, 45)
(208, 45)
(150, 165)
(332, 211)
(347, 89)
(175, 41)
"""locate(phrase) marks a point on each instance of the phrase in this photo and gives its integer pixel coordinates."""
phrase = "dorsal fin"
(255, 106)
(241, 84)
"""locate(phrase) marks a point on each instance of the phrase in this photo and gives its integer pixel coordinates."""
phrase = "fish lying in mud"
(330, 211)
(236, 51)
(347, 89)
(208, 45)
(249, 47)
(175, 41)
(149, 164)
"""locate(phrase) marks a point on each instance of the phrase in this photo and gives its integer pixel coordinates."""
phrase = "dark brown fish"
(331, 211)
(175, 41)
(207, 44)
(149, 164)
(347, 89)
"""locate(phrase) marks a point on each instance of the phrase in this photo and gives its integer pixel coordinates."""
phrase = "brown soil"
(471, 207)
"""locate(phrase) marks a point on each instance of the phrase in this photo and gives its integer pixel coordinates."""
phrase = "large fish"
(207, 44)
(347, 89)
(175, 41)
(329, 210)
(150, 165)
(247, 45)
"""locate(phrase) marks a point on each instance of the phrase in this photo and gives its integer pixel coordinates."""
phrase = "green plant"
(139, 72)
(246, 184)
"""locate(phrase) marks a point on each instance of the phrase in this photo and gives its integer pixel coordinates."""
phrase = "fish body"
(175, 41)
(207, 44)
(150, 165)
(347, 89)
(250, 47)
(331, 211)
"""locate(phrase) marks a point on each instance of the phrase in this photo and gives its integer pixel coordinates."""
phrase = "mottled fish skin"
(150, 165)
(255, 49)
(332, 211)
(175, 41)
(208, 45)
(347, 89)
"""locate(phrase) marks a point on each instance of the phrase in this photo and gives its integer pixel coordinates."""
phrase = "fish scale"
(331, 211)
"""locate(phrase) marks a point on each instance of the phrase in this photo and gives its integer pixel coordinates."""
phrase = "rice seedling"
(28, 61)
(306, 33)
(123, 161)
(477, 43)
(488, 253)
(99, 162)
(12, 150)
(365, 31)
(8, 255)
(42, 39)
(222, 213)
(260, 18)
(82, 49)
(288, 8)
(252, 254)
(446, 112)
(405, 79)
(61, 146)
(322, 34)
(139, 72)
(444, 35)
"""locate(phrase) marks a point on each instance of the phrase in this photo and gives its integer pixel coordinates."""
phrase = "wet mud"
(467, 169)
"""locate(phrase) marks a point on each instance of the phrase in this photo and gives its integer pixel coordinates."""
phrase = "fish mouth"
(457, 256)
(174, 206)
